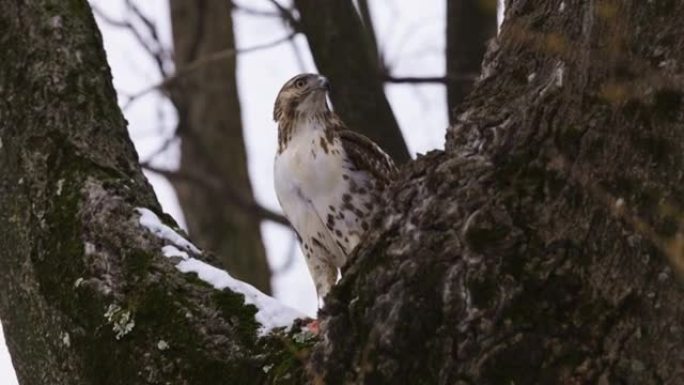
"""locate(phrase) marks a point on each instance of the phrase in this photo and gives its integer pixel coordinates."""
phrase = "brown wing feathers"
(367, 156)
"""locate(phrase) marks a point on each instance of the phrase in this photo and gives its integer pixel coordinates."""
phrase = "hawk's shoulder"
(367, 156)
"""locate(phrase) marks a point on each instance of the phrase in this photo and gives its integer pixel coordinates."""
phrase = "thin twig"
(222, 189)
(155, 49)
(287, 15)
(123, 24)
(429, 79)
(253, 11)
(157, 54)
(201, 62)
(162, 149)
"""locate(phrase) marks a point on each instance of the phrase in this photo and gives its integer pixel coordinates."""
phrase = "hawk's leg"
(323, 271)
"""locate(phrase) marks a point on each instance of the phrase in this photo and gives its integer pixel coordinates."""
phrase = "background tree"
(212, 144)
(470, 24)
(541, 246)
(344, 49)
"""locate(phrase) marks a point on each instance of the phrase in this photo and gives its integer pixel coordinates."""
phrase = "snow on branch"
(270, 314)
(151, 221)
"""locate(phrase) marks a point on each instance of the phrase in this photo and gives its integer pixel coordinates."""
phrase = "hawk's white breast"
(311, 181)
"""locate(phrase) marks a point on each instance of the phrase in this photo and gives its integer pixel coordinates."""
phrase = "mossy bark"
(85, 295)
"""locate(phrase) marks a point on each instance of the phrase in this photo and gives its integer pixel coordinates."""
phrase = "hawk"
(327, 178)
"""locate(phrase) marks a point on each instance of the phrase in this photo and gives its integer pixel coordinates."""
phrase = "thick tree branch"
(95, 288)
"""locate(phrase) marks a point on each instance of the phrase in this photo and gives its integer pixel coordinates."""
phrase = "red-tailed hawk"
(327, 178)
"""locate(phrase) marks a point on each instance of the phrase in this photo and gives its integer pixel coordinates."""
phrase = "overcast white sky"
(411, 36)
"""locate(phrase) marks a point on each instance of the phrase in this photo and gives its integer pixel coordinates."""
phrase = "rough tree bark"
(344, 52)
(86, 296)
(536, 249)
(470, 24)
(212, 147)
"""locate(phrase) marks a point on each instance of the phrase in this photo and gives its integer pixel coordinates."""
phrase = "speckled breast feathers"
(328, 179)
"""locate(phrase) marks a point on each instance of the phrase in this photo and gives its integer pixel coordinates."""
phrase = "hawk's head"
(303, 94)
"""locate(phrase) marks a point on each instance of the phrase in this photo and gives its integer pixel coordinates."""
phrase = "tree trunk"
(470, 24)
(86, 296)
(212, 146)
(343, 51)
(536, 249)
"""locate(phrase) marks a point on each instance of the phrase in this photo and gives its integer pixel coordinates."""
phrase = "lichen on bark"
(87, 296)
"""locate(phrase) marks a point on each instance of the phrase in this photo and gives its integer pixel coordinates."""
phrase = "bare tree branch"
(224, 190)
(203, 61)
(154, 47)
(428, 79)
(126, 24)
(159, 54)
(287, 15)
(254, 12)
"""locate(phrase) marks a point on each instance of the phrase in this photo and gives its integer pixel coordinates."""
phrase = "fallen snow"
(150, 220)
(270, 313)
(172, 251)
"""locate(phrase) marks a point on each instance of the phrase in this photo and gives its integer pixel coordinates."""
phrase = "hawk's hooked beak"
(324, 83)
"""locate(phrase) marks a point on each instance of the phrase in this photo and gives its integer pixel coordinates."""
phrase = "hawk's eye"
(300, 83)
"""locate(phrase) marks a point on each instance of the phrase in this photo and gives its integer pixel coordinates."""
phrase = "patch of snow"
(151, 221)
(270, 313)
(172, 251)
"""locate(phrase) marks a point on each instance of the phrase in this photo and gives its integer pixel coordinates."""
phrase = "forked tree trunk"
(212, 147)
(538, 248)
